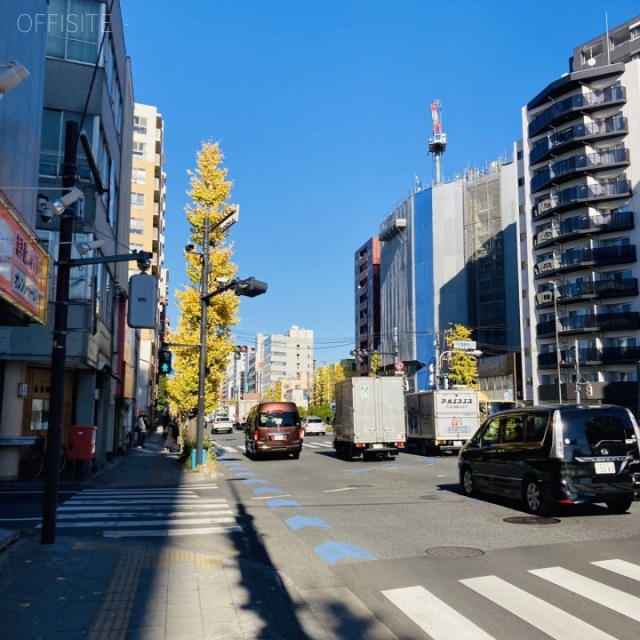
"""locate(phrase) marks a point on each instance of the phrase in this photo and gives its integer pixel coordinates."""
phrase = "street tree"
(210, 192)
(375, 364)
(463, 367)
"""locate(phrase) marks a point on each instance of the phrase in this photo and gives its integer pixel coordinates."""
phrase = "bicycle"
(35, 460)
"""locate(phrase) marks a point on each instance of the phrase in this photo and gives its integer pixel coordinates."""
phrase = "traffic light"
(164, 359)
(239, 350)
(250, 287)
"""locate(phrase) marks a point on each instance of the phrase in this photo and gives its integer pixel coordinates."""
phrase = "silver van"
(554, 455)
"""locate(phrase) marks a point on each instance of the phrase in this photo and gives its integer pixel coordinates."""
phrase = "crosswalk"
(305, 445)
(157, 512)
(441, 621)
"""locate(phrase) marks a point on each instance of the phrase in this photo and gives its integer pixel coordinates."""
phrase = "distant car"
(222, 424)
(313, 425)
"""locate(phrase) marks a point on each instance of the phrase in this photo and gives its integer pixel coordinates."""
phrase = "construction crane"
(438, 143)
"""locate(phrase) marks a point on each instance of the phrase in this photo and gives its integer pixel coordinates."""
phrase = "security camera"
(58, 206)
(189, 248)
(46, 215)
(11, 74)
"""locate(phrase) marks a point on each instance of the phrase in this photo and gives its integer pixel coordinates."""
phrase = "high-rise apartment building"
(579, 265)
(148, 191)
(367, 296)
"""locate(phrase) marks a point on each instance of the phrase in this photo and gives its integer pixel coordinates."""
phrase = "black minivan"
(552, 455)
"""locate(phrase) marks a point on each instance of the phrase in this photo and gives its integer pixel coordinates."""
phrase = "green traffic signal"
(164, 359)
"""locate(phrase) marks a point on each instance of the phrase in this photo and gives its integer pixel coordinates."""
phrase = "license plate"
(279, 436)
(376, 445)
(457, 443)
(605, 467)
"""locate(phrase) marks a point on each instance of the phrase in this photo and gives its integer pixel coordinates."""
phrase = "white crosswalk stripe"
(126, 513)
(222, 449)
(443, 622)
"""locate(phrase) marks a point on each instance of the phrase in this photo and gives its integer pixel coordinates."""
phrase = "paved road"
(427, 561)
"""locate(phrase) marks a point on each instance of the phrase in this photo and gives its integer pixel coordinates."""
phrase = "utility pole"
(59, 350)
(203, 341)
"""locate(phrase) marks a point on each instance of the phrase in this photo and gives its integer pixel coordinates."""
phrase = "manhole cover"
(531, 520)
(454, 552)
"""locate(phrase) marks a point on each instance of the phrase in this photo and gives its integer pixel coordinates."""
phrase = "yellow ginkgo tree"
(463, 366)
(210, 193)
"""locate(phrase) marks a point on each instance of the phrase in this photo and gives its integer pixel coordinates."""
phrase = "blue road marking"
(244, 473)
(280, 502)
(299, 522)
(262, 490)
(357, 471)
(332, 552)
(254, 481)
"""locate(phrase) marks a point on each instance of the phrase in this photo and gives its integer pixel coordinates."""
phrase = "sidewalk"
(94, 588)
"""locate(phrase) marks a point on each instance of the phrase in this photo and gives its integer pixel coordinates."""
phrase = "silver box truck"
(370, 419)
(440, 421)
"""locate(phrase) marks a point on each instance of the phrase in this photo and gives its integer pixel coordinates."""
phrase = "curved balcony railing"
(624, 321)
(575, 136)
(567, 168)
(589, 356)
(567, 198)
(606, 288)
(583, 224)
(579, 102)
(599, 256)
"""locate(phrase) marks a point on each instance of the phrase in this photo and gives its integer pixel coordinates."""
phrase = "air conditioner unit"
(547, 234)
(544, 297)
(545, 205)
(547, 265)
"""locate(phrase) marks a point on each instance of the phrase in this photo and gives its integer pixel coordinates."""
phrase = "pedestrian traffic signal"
(164, 359)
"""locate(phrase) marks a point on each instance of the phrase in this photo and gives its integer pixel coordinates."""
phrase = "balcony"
(544, 298)
(575, 136)
(583, 102)
(589, 356)
(600, 256)
(545, 267)
(585, 224)
(595, 322)
(595, 193)
(605, 288)
(582, 164)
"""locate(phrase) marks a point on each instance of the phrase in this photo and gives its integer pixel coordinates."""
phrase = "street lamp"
(555, 322)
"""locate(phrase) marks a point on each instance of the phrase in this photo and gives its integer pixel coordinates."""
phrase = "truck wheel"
(424, 448)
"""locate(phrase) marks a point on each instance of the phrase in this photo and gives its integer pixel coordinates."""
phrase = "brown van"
(273, 428)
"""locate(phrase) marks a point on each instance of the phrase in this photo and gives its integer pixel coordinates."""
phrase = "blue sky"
(322, 110)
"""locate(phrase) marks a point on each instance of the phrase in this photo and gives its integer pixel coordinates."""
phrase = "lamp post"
(59, 350)
(555, 314)
(203, 342)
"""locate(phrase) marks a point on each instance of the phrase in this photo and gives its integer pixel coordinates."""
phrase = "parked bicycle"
(35, 461)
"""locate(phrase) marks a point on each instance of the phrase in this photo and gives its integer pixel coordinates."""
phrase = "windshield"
(277, 419)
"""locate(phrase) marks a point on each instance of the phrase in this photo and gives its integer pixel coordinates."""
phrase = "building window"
(54, 125)
(137, 226)
(521, 182)
(138, 175)
(138, 148)
(74, 29)
(140, 124)
(137, 200)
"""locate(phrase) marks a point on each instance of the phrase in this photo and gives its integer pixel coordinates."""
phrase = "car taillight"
(300, 433)
(256, 435)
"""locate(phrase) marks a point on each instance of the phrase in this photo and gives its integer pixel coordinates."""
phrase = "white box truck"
(440, 421)
(370, 419)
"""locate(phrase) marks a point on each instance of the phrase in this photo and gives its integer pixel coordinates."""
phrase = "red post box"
(81, 444)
